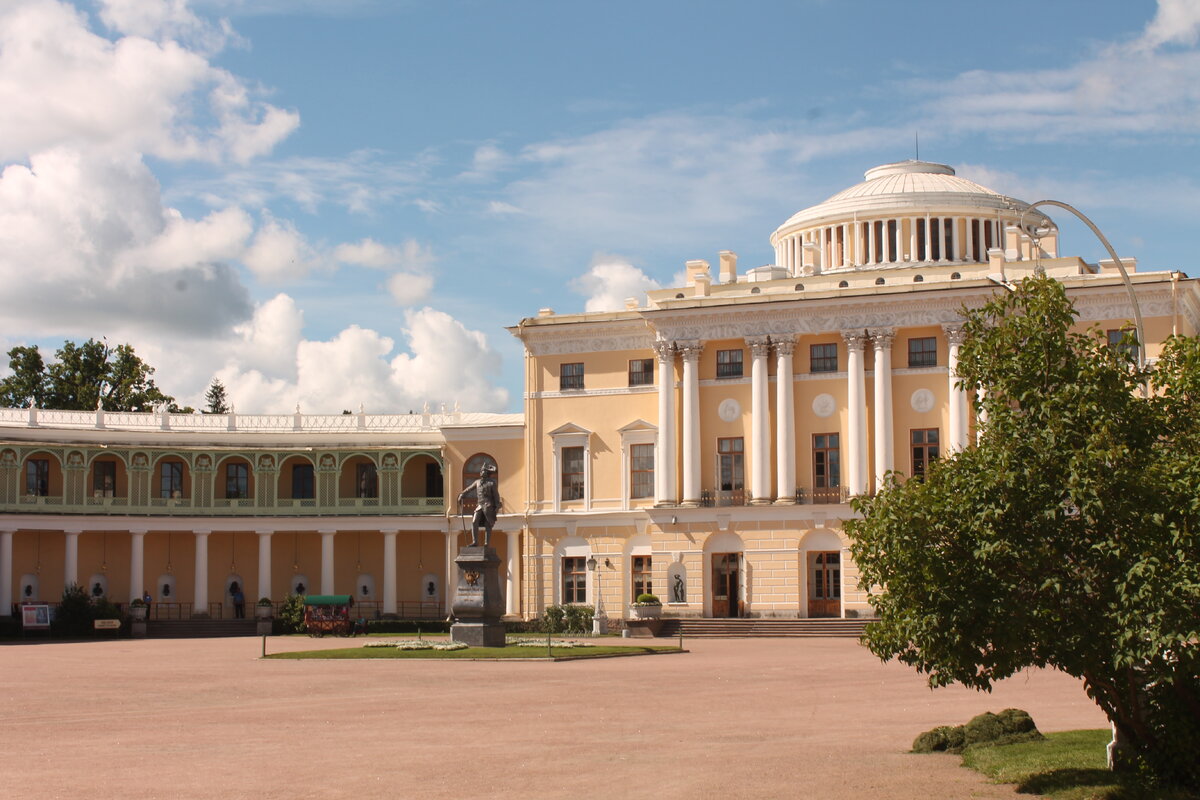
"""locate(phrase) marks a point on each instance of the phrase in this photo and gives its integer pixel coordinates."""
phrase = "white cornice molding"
(587, 337)
(552, 395)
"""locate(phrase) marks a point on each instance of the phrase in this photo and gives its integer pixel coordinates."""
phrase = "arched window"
(918, 278)
(799, 287)
(755, 290)
(842, 284)
(879, 281)
(954, 276)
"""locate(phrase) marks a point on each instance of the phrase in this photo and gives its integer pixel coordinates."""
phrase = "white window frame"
(637, 432)
(571, 435)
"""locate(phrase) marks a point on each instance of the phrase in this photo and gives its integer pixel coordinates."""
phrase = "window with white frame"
(572, 480)
(574, 579)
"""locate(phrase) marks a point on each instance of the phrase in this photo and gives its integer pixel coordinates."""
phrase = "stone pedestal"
(137, 628)
(478, 599)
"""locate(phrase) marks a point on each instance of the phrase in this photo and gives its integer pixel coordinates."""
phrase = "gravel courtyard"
(748, 718)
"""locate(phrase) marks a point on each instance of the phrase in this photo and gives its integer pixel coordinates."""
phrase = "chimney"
(728, 266)
(694, 270)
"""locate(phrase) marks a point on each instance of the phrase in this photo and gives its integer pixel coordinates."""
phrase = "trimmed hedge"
(1010, 725)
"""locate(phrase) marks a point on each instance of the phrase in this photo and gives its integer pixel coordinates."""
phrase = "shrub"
(579, 619)
(290, 618)
(1010, 725)
(552, 619)
(648, 600)
(74, 615)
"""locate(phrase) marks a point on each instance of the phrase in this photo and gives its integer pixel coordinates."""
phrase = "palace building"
(701, 444)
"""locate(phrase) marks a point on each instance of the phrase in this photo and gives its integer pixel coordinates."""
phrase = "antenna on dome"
(917, 144)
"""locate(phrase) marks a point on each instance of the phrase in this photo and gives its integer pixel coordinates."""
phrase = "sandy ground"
(748, 718)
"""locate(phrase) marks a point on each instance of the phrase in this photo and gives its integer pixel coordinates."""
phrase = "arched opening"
(43, 477)
(107, 478)
(821, 571)
(421, 481)
(298, 480)
(172, 479)
(472, 469)
(359, 478)
(235, 480)
(728, 577)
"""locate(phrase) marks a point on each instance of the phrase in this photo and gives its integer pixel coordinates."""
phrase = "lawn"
(1064, 766)
(512, 651)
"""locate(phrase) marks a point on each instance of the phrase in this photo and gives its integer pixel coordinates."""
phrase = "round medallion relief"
(922, 400)
(729, 410)
(824, 405)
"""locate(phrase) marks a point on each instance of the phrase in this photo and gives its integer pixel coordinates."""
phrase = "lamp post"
(599, 618)
(1137, 310)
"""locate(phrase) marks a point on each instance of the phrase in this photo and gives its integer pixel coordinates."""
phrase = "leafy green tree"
(81, 376)
(218, 403)
(1066, 538)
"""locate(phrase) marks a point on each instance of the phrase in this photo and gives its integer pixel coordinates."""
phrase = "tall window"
(574, 576)
(433, 479)
(570, 376)
(641, 470)
(303, 485)
(827, 477)
(641, 577)
(924, 449)
(922, 352)
(104, 478)
(730, 453)
(37, 477)
(366, 481)
(170, 479)
(572, 473)
(237, 481)
(1124, 342)
(822, 357)
(641, 372)
(729, 363)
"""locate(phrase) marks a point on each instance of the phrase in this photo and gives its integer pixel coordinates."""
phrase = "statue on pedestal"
(487, 504)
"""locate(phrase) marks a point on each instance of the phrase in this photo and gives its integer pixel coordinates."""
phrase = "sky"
(336, 205)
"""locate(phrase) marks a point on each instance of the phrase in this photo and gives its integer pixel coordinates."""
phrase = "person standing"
(239, 601)
(146, 598)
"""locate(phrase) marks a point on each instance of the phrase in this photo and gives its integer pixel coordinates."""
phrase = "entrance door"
(825, 584)
(726, 585)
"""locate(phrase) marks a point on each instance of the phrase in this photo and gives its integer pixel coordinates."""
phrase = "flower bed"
(418, 644)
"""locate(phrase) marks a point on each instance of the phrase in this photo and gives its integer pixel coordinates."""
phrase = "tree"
(81, 376)
(1066, 538)
(218, 403)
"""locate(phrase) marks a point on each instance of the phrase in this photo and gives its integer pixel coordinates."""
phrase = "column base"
(762, 501)
(667, 504)
(786, 501)
(690, 504)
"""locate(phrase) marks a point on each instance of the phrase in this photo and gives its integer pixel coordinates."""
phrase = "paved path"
(750, 718)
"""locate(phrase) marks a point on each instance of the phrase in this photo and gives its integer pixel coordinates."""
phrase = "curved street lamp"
(1137, 311)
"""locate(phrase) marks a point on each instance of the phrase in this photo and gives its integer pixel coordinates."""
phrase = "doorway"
(726, 585)
(825, 584)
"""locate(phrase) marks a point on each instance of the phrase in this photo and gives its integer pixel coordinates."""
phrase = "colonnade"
(264, 588)
(858, 243)
(759, 444)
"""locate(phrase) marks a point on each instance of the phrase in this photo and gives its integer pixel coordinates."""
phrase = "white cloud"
(411, 283)
(163, 19)
(1142, 87)
(408, 289)
(499, 207)
(609, 281)
(280, 253)
(62, 85)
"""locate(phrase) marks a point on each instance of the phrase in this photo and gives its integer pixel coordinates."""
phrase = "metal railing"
(821, 496)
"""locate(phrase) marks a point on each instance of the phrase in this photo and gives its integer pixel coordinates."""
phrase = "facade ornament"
(784, 346)
(759, 345)
(856, 340)
(922, 401)
(690, 350)
(954, 333)
(882, 338)
(823, 405)
(665, 350)
(729, 410)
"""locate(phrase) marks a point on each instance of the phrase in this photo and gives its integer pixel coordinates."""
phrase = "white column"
(6, 569)
(513, 568)
(889, 245)
(824, 248)
(451, 569)
(664, 450)
(760, 421)
(71, 558)
(871, 254)
(389, 572)
(958, 397)
(137, 562)
(968, 244)
(327, 562)
(200, 597)
(857, 399)
(885, 460)
(690, 351)
(912, 239)
(264, 564)
(785, 423)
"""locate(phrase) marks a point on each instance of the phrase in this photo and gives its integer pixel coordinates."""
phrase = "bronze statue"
(487, 503)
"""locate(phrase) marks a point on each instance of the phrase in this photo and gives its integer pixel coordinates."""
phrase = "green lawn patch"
(556, 653)
(1064, 766)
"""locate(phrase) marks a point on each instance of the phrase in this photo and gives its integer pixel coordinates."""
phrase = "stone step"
(704, 628)
(200, 628)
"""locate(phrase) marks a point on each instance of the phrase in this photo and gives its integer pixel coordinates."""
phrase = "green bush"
(74, 614)
(408, 626)
(552, 619)
(578, 619)
(1010, 725)
(649, 600)
(290, 618)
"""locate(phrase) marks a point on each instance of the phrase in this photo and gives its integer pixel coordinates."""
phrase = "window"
(37, 477)
(1124, 342)
(730, 465)
(574, 576)
(572, 473)
(474, 466)
(729, 363)
(641, 372)
(366, 481)
(237, 481)
(303, 486)
(924, 449)
(822, 357)
(433, 479)
(104, 479)
(570, 376)
(170, 479)
(641, 577)
(922, 352)
(641, 470)
(827, 478)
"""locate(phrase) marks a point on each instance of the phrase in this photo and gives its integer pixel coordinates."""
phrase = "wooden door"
(825, 584)
(726, 584)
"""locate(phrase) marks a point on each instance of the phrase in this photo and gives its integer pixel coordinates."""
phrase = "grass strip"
(572, 653)
(1064, 766)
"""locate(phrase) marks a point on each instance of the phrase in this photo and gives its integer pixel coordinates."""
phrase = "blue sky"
(329, 204)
